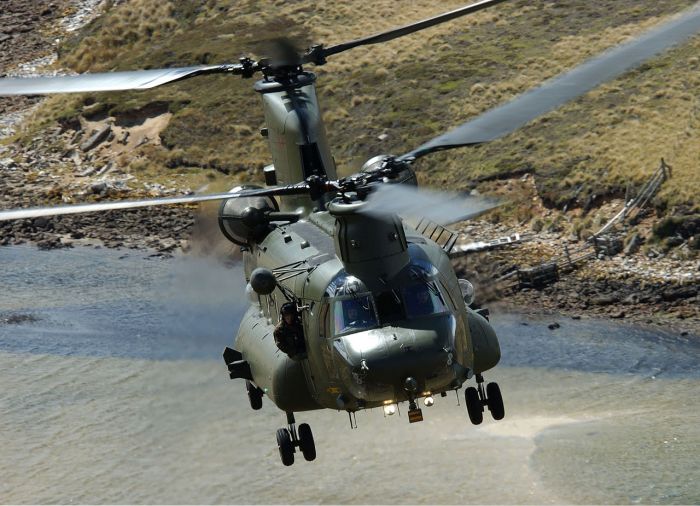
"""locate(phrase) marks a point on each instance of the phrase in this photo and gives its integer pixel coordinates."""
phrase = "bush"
(683, 226)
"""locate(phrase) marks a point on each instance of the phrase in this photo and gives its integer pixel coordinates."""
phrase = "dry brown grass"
(416, 87)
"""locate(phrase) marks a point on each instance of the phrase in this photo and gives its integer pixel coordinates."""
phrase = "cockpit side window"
(353, 314)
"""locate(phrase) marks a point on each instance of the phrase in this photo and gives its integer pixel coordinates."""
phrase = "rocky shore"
(652, 290)
(27, 180)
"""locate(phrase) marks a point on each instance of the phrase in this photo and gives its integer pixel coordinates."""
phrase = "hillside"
(410, 89)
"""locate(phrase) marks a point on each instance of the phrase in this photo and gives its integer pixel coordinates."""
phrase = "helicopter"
(383, 318)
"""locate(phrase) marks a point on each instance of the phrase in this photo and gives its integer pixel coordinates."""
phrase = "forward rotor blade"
(36, 212)
(404, 30)
(107, 81)
(439, 207)
(506, 118)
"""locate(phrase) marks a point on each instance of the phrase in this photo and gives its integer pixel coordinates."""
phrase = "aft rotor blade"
(107, 81)
(36, 212)
(405, 30)
(439, 207)
(506, 118)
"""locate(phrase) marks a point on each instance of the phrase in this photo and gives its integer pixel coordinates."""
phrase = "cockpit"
(414, 294)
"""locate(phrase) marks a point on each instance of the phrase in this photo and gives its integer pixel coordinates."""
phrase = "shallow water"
(117, 393)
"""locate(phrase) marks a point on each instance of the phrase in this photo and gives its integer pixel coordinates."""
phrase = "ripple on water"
(96, 409)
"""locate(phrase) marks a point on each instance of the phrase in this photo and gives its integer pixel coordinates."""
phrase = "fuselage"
(416, 325)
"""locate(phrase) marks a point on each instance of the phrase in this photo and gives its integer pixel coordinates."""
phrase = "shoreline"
(678, 317)
(555, 318)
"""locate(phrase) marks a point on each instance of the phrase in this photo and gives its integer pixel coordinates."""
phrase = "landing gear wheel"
(254, 395)
(285, 446)
(495, 401)
(306, 442)
(474, 406)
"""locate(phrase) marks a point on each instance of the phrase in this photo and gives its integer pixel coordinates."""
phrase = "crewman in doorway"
(289, 333)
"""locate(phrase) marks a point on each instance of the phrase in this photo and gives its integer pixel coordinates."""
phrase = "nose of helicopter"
(375, 364)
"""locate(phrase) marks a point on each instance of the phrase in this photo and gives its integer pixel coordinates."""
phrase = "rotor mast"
(294, 129)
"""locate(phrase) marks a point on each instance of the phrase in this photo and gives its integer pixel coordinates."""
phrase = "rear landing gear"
(477, 398)
(288, 439)
(254, 395)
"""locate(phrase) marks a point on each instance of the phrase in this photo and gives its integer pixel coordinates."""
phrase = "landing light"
(389, 409)
(429, 401)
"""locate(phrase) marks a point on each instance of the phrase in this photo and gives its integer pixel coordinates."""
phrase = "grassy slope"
(415, 87)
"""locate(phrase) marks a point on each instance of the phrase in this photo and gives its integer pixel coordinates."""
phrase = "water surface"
(116, 393)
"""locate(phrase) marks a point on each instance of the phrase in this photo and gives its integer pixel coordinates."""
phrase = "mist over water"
(119, 303)
(114, 391)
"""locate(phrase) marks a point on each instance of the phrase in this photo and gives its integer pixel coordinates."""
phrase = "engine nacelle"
(245, 220)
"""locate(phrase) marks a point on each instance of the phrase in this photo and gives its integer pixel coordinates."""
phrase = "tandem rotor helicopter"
(380, 315)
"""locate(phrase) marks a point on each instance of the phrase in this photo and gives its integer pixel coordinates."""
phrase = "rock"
(41, 222)
(383, 137)
(16, 319)
(47, 244)
(618, 314)
(8, 163)
(633, 245)
(87, 172)
(75, 157)
(553, 326)
(107, 168)
(682, 292)
(604, 300)
(167, 245)
(99, 187)
(673, 242)
(96, 138)
(92, 109)
(631, 299)
(575, 317)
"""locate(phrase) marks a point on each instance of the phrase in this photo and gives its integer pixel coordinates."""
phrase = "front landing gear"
(477, 398)
(288, 439)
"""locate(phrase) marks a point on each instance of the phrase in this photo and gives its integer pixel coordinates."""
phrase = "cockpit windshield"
(423, 299)
(353, 314)
(354, 308)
